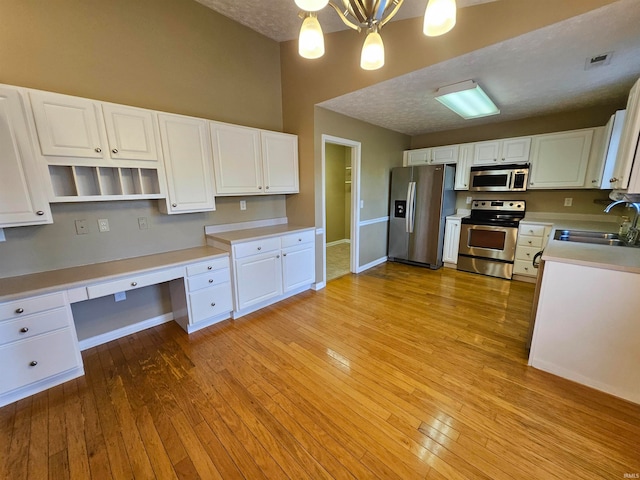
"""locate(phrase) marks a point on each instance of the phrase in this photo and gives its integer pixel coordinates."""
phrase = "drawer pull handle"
(284, 254)
(259, 248)
(278, 256)
(40, 213)
(134, 284)
(115, 150)
(299, 239)
(33, 363)
(528, 254)
(24, 329)
(213, 304)
(529, 242)
(209, 267)
(211, 280)
(20, 310)
(530, 231)
(98, 150)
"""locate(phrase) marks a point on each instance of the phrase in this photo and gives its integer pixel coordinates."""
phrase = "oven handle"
(536, 257)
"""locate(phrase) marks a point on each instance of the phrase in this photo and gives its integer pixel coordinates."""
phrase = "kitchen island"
(587, 324)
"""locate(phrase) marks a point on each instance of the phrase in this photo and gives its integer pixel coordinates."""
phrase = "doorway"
(340, 162)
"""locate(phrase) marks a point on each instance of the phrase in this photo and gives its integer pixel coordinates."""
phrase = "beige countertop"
(234, 236)
(66, 278)
(626, 259)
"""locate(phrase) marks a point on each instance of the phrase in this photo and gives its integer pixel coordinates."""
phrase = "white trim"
(270, 301)
(318, 286)
(356, 155)
(372, 221)
(124, 331)
(338, 242)
(40, 385)
(227, 227)
(319, 231)
(372, 264)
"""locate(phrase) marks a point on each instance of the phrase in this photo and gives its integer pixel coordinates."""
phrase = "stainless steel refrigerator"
(421, 197)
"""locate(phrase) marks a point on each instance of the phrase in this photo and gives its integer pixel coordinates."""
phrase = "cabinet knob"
(20, 310)
(259, 188)
(211, 280)
(284, 254)
(174, 205)
(133, 284)
(98, 150)
(278, 256)
(115, 150)
(529, 242)
(594, 181)
(259, 248)
(33, 363)
(503, 159)
(299, 239)
(613, 180)
(266, 188)
(213, 304)
(24, 329)
(209, 267)
(528, 254)
(40, 213)
(530, 231)
(495, 159)
(526, 268)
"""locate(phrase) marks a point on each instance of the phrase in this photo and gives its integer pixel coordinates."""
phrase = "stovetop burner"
(503, 213)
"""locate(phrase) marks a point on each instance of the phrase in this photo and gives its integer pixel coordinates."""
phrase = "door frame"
(356, 150)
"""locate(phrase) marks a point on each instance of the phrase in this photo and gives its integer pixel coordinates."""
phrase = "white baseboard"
(245, 311)
(41, 385)
(369, 265)
(338, 242)
(124, 331)
(319, 286)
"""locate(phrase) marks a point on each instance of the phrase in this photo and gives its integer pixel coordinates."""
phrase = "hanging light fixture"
(370, 16)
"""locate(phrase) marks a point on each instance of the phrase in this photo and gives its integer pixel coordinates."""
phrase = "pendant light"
(372, 56)
(311, 5)
(311, 40)
(439, 17)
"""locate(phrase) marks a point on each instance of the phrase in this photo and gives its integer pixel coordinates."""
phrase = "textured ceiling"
(538, 73)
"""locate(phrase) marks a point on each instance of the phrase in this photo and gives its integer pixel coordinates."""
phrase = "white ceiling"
(538, 73)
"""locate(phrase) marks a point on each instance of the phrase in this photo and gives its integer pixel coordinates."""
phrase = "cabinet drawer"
(31, 325)
(526, 253)
(210, 302)
(257, 246)
(208, 266)
(529, 241)
(26, 306)
(136, 281)
(36, 358)
(214, 277)
(533, 230)
(297, 238)
(524, 267)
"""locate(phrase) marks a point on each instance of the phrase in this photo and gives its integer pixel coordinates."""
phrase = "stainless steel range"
(488, 237)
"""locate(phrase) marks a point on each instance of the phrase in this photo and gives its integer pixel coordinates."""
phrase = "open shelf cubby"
(73, 183)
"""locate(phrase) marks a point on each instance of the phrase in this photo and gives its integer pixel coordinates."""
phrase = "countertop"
(66, 278)
(234, 236)
(626, 259)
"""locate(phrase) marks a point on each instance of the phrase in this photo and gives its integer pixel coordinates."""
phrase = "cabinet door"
(258, 278)
(68, 126)
(237, 159)
(298, 266)
(187, 157)
(442, 155)
(131, 132)
(280, 162)
(629, 143)
(515, 150)
(451, 240)
(420, 156)
(463, 167)
(486, 153)
(22, 195)
(560, 160)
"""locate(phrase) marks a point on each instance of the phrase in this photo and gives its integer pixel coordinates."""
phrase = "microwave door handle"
(512, 180)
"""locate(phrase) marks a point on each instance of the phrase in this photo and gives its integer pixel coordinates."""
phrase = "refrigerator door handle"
(411, 202)
(407, 214)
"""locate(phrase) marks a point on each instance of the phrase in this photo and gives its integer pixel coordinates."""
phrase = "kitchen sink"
(583, 236)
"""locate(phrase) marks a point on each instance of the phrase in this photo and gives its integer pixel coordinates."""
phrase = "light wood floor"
(396, 373)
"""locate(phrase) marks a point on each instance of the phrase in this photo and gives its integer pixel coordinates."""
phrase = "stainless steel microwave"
(499, 178)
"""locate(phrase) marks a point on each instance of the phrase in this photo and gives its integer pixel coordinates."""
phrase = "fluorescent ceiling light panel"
(467, 99)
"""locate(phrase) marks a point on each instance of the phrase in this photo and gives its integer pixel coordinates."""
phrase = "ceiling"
(541, 72)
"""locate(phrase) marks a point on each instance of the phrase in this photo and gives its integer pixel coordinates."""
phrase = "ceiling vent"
(599, 60)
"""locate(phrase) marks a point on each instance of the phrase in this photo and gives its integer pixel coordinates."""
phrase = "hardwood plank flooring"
(397, 373)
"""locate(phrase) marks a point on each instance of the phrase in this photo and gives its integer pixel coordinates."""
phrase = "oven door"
(486, 241)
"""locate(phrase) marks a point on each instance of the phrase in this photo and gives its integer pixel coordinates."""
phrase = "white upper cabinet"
(420, 156)
(188, 163)
(463, 167)
(431, 156)
(130, 132)
(560, 160)
(510, 150)
(82, 128)
(249, 161)
(23, 200)
(280, 162)
(629, 145)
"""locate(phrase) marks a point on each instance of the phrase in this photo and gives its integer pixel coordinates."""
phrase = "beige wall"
(169, 55)
(335, 192)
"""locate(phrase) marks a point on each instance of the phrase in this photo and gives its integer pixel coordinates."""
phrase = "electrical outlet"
(243, 204)
(120, 296)
(568, 202)
(361, 203)
(103, 225)
(143, 224)
(82, 228)
(2, 237)
(469, 200)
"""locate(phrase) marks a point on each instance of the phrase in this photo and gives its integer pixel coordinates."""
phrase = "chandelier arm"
(344, 18)
(360, 10)
(398, 4)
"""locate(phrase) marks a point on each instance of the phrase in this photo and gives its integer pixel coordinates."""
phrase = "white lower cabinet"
(451, 240)
(532, 238)
(38, 346)
(270, 269)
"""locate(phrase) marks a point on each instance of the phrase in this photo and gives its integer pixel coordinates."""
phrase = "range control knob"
(511, 204)
(484, 203)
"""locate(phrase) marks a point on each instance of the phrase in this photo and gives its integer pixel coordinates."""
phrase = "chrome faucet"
(633, 233)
